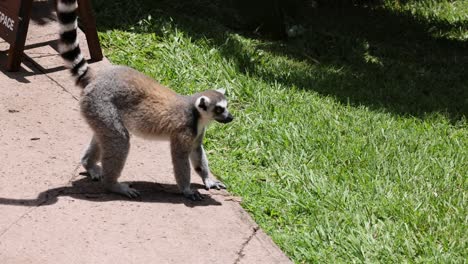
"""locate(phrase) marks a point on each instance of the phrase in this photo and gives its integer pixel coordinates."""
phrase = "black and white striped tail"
(69, 47)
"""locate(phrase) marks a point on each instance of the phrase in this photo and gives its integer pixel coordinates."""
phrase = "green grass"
(451, 16)
(350, 143)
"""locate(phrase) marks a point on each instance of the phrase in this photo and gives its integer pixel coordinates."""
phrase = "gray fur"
(121, 100)
(90, 159)
(200, 164)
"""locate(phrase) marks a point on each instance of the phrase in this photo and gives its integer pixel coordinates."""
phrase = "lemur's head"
(212, 105)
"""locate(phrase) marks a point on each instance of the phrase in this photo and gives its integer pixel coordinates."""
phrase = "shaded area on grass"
(358, 55)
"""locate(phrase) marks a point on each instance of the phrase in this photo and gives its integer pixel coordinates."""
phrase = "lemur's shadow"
(85, 189)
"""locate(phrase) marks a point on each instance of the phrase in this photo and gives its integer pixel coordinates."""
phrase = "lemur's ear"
(221, 90)
(202, 103)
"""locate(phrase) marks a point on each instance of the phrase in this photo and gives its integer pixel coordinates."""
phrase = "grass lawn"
(350, 142)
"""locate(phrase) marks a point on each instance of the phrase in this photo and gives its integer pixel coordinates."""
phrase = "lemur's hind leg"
(113, 141)
(91, 157)
(200, 164)
(114, 154)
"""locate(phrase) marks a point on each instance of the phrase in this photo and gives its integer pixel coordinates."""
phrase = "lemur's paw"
(213, 184)
(95, 173)
(124, 189)
(193, 195)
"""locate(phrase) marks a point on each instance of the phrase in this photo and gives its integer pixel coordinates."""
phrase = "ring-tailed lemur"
(119, 99)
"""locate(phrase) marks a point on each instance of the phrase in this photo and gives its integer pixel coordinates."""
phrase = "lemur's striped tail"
(69, 47)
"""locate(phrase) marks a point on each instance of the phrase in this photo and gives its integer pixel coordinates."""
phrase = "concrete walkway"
(49, 213)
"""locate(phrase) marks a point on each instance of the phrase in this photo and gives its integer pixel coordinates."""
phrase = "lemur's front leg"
(181, 163)
(200, 164)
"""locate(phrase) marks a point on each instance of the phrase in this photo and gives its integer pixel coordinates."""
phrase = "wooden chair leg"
(16, 51)
(89, 23)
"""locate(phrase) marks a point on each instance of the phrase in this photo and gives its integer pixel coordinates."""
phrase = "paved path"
(51, 214)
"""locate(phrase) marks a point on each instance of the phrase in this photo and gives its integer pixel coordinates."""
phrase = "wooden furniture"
(14, 23)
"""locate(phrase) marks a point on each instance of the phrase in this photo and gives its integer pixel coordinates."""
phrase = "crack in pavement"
(74, 173)
(16, 221)
(240, 253)
(37, 66)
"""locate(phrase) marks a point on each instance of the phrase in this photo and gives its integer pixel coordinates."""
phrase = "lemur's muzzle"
(226, 120)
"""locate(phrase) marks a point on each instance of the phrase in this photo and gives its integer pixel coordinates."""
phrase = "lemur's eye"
(219, 109)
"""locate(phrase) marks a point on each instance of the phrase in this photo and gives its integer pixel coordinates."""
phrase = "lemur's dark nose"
(228, 119)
